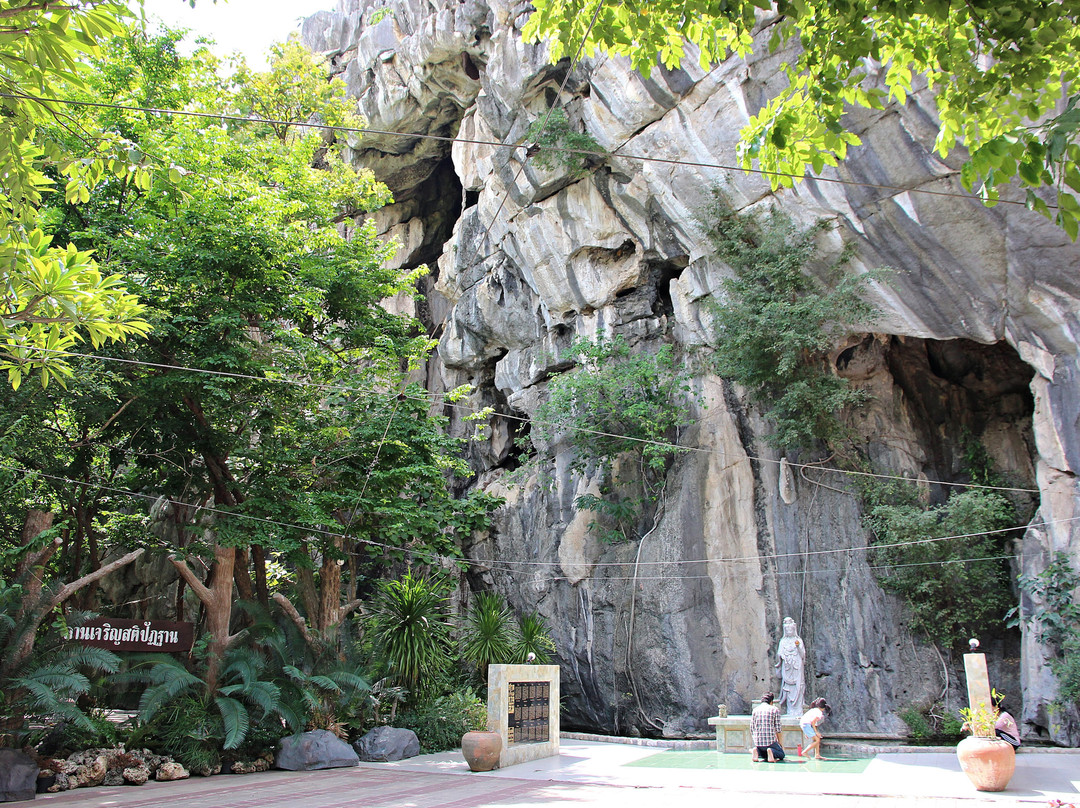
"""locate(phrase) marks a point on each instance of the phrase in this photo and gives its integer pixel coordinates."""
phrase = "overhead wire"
(509, 563)
(644, 158)
(433, 398)
(509, 416)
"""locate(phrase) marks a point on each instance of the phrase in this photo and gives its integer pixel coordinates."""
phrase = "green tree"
(952, 594)
(776, 322)
(1001, 74)
(54, 296)
(619, 404)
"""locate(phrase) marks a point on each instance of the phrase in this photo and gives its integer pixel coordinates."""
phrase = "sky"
(248, 26)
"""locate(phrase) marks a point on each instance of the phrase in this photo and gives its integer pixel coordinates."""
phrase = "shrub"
(775, 322)
(618, 402)
(918, 726)
(561, 144)
(440, 723)
(1056, 621)
(950, 597)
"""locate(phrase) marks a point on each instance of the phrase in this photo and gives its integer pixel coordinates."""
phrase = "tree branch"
(289, 609)
(197, 586)
(70, 589)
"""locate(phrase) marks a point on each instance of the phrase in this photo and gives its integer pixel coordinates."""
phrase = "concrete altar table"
(733, 732)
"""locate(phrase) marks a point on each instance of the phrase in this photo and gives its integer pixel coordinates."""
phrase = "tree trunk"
(217, 599)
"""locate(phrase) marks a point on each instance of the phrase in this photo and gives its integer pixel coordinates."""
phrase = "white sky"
(248, 26)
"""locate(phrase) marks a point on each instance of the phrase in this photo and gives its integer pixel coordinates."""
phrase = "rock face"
(977, 335)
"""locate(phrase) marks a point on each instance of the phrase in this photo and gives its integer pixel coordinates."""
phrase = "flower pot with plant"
(988, 761)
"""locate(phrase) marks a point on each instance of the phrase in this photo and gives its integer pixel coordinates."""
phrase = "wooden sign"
(118, 634)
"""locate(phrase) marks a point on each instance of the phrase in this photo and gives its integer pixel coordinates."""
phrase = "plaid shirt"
(765, 724)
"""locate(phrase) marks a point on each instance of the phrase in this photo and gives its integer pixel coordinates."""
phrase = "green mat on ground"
(673, 759)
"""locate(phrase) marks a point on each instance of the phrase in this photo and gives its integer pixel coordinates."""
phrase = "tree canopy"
(54, 295)
(1001, 75)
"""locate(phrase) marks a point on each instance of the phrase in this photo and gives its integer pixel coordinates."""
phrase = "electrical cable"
(531, 564)
(428, 399)
(644, 158)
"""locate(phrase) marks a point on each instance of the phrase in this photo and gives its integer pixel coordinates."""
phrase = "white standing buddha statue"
(791, 662)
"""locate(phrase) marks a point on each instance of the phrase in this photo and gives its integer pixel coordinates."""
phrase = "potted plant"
(988, 761)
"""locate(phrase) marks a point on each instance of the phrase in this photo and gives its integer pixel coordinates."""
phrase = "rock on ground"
(384, 744)
(318, 749)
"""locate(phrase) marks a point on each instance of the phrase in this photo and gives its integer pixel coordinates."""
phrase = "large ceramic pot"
(481, 749)
(988, 762)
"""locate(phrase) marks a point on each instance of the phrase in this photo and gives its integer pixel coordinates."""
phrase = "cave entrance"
(939, 404)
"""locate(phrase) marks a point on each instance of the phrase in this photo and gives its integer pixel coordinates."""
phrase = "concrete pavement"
(597, 774)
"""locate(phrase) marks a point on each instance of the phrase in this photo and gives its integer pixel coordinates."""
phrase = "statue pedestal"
(733, 733)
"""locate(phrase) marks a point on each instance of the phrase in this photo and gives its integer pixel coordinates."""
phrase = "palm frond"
(235, 717)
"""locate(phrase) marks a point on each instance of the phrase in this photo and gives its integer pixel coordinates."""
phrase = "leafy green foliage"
(489, 633)
(560, 144)
(440, 723)
(47, 683)
(410, 631)
(311, 94)
(533, 638)
(53, 296)
(618, 403)
(775, 322)
(950, 596)
(999, 73)
(246, 697)
(930, 725)
(1056, 621)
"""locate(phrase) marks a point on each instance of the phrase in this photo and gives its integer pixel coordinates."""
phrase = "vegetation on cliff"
(1001, 75)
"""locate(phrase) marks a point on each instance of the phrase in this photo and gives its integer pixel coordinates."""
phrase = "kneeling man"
(765, 731)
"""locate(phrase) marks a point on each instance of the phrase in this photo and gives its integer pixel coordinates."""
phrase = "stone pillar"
(978, 682)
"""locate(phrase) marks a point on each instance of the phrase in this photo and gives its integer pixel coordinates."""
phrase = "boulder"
(171, 771)
(136, 775)
(384, 744)
(92, 773)
(318, 749)
(18, 776)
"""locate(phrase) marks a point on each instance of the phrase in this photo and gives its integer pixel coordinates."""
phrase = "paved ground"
(603, 774)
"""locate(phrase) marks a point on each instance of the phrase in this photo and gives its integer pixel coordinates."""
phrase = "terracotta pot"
(481, 750)
(988, 762)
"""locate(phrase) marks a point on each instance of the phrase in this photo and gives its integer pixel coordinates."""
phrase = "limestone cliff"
(978, 332)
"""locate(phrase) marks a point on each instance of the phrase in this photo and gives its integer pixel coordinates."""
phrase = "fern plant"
(45, 685)
(245, 697)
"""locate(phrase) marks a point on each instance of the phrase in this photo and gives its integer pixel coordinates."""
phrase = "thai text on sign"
(528, 720)
(119, 634)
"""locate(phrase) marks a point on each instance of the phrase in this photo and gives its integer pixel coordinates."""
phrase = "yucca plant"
(533, 638)
(410, 631)
(490, 632)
